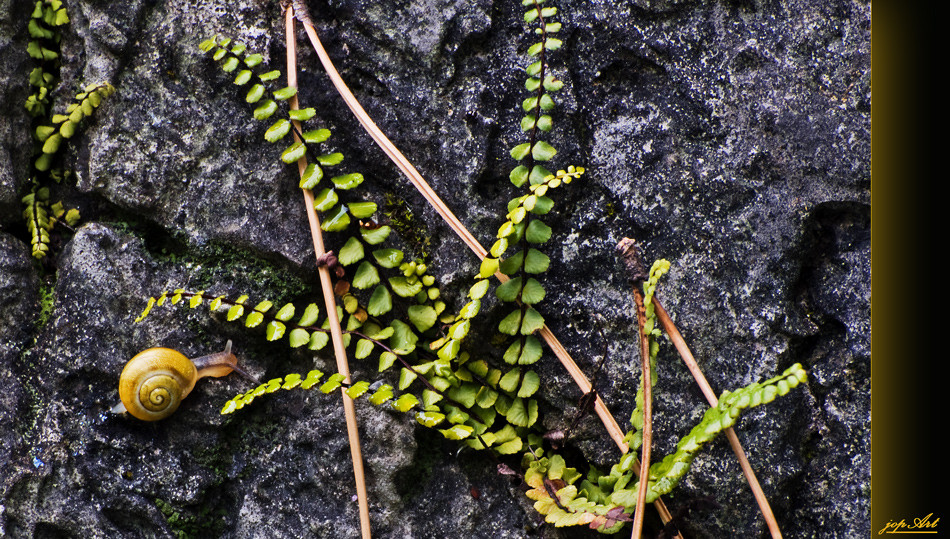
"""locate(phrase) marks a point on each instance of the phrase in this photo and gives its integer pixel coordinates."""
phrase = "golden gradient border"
(907, 363)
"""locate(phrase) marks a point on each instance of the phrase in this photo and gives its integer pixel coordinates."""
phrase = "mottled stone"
(730, 138)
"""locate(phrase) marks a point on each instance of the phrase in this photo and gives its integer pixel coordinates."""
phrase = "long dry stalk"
(647, 432)
(336, 333)
(400, 160)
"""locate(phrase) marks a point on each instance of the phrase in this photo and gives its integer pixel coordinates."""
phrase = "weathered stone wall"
(731, 138)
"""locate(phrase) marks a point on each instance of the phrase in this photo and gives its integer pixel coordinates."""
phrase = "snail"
(154, 382)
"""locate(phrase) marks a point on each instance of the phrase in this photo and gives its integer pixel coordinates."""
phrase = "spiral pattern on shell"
(154, 382)
(157, 393)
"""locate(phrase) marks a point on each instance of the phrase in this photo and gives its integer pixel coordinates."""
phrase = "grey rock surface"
(731, 138)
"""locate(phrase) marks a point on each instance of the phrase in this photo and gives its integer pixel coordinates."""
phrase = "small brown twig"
(336, 333)
(637, 275)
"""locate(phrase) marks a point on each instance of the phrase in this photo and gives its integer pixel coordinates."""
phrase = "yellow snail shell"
(155, 381)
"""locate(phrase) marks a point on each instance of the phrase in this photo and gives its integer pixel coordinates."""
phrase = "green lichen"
(206, 522)
(47, 299)
(411, 229)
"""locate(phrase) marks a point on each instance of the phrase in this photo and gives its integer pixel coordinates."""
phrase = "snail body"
(155, 381)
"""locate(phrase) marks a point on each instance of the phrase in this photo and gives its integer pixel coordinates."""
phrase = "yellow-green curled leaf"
(520, 151)
(403, 340)
(430, 418)
(52, 143)
(294, 152)
(422, 316)
(542, 151)
(364, 347)
(524, 353)
(310, 315)
(68, 129)
(43, 132)
(302, 115)
(519, 175)
(277, 131)
(457, 432)
(43, 162)
(488, 267)
(298, 337)
(265, 110)
(313, 378)
(406, 378)
(375, 236)
(509, 382)
(253, 320)
(207, 44)
(229, 64)
(362, 210)
(356, 390)
(334, 382)
(511, 323)
(529, 384)
(510, 447)
(285, 313)
(478, 290)
(522, 413)
(405, 287)
(270, 75)
(388, 258)
(336, 219)
(316, 136)
(386, 360)
(330, 159)
(291, 381)
(381, 395)
(381, 302)
(533, 321)
(351, 252)
(235, 312)
(366, 276)
(405, 402)
(285, 93)
(253, 60)
(243, 77)
(470, 309)
(325, 199)
(311, 176)
(347, 181)
(274, 330)
(318, 340)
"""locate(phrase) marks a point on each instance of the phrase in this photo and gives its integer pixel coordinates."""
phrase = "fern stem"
(533, 135)
(637, 273)
(680, 344)
(339, 349)
(647, 432)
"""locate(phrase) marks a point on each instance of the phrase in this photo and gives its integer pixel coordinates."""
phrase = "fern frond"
(666, 474)
(486, 407)
(62, 127)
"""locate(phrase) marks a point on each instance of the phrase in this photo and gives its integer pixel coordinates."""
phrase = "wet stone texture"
(731, 138)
